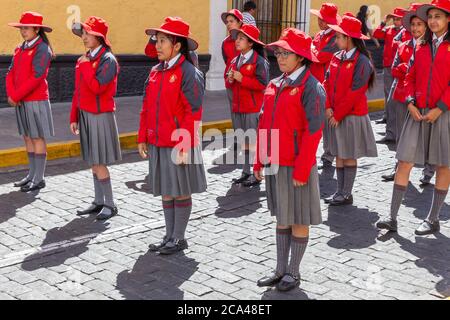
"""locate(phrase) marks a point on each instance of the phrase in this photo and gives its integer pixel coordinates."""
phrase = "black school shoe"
(102, 216)
(341, 200)
(325, 164)
(93, 209)
(331, 198)
(427, 228)
(269, 281)
(157, 246)
(22, 182)
(252, 182)
(288, 282)
(382, 121)
(174, 246)
(385, 141)
(388, 177)
(425, 180)
(388, 224)
(244, 177)
(33, 187)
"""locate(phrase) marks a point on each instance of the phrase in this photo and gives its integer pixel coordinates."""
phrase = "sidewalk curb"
(68, 149)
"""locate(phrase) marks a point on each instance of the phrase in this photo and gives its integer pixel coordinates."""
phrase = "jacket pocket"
(296, 142)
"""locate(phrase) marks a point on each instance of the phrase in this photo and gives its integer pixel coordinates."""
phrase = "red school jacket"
(326, 47)
(248, 94)
(296, 110)
(173, 100)
(95, 85)
(346, 84)
(428, 80)
(229, 52)
(400, 68)
(387, 34)
(27, 76)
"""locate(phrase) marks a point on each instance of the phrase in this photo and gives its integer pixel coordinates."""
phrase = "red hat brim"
(77, 29)
(19, 25)
(235, 32)
(308, 54)
(328, 20)
(192, 44)
(358, 35)
(392, 15)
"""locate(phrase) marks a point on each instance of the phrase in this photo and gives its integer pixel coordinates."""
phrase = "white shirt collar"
(414, 42)
(94, 52)
(173, 61)
(440, 39)
(246, 56)
(292, 77)
(325, 32)
(349, 54)
(32, 42)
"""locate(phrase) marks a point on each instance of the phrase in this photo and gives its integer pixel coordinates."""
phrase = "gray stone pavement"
(215, 108)
(46, 252)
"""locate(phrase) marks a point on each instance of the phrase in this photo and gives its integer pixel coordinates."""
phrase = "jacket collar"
(300, 81)
(97, 54)
(33, 44)
(342, 55)
(160, 66)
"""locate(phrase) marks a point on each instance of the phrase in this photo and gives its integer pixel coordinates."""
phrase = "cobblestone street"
(46, 252)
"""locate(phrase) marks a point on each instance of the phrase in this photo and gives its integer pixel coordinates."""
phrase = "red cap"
(95, 26)
(296, 41)
(398, 13)
(175, 26)
(234, 12)
(351, 27)
(412, 13)
(31, 19)
(443, 5)
(328, 13)
(249, 31)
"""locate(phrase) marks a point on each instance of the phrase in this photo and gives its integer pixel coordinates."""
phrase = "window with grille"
(275, 15)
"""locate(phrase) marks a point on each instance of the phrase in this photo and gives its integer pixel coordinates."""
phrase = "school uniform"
(294, 105)
(346, 85)
(229, 53)
(289, 134)
(93, 109)
(26, 84)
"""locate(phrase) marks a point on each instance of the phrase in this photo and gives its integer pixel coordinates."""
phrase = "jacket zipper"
(430, 78)
(177, 123)
(336, 81)
(158, 105)
(269, 142)
(295, 142)
(253, 98)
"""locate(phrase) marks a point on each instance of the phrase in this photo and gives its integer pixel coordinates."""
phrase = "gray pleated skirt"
(421, 142)
(35, 120)
(353, 138)
(230, 102)
(246, 121)
(292, 205)
(401, 111)
(166, 178)
(99, 138)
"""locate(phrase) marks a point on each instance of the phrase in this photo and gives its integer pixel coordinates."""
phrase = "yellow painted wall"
(127, 21)
(385, 7)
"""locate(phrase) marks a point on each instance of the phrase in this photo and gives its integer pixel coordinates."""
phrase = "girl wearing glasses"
(289, 133)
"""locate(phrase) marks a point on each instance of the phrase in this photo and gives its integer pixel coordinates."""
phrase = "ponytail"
(44, 38)
(361, 47)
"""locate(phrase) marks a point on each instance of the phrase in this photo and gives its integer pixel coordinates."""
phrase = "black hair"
(103, 43)
(306, 62)
(249, 5)
(361, 47)
(44, 38)
(184, 50)
(362, 16)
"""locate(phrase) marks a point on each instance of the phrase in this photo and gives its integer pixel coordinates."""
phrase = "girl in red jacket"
(388, 33)
(289, 133)
(350, 75)
(93, 112)
(233, 19)
(415, 26)
(27, 91)
(325, 47)
(248, 76)
(426, 133)
(168, 131)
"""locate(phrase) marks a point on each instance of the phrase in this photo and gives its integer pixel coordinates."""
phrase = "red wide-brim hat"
(328, 13)
(350, 27)
(175, 26)
(31, 19)
(95, 26)
(249, 31)
(295, 41)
